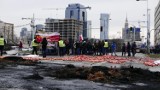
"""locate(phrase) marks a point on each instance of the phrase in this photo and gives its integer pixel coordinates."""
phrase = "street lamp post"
(134, 34)
(148, 28)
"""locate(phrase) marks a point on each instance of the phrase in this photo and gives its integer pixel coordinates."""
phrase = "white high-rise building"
(104, 26)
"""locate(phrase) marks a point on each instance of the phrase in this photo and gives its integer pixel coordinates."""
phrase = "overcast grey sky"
(13, 10)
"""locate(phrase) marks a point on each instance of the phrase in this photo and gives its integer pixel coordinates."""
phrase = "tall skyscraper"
(104, 26)
(125, 34)
(78, 12)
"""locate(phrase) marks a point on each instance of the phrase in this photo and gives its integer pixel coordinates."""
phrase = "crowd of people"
(86, 47)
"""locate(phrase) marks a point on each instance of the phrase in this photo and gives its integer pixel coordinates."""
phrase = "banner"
(52, 37)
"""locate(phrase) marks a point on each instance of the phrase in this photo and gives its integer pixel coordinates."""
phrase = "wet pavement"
(12, 77)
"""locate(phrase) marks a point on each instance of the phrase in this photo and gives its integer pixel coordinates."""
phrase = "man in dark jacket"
(134, 46)
(44, 46)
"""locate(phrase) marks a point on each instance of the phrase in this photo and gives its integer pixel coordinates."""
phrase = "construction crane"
(32, 24)
(21, 25)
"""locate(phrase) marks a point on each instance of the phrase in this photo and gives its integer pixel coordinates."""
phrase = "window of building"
(71, 13)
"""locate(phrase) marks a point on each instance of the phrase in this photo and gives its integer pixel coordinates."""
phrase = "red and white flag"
(80, 38)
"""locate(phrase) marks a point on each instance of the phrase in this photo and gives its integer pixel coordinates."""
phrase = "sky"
(12, 11)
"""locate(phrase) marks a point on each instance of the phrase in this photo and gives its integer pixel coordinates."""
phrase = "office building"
(157, 25)
(78, 12)
(89, 31)
(68, 28)
(128, 34)
(7, 31)
(23, 32)
(104, 26)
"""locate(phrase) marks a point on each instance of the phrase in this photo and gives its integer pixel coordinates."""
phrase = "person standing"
(44, 46)
(100, 47)
(78, 48)
(2, 44)
(134, 46)
(20, 45)
(113, 48)
(129, 49)
(67, 48)
(105, 48)
(61, 45)
(35, 46)
(124, 49)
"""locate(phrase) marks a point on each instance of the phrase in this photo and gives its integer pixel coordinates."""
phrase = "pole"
(78, 33)
(104, 30)
(32, 27)
(148, 28)
(148, 32)
(134, 33)
(4, 34)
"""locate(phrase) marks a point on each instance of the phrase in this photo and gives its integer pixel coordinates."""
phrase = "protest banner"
(51, 37)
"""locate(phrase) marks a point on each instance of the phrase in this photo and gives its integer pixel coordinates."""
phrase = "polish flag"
(80, 38)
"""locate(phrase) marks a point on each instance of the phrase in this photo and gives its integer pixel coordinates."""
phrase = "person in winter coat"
(61, 45)
(124, 49)
(2, 44)
(20, 46)
(113, 48)
(44, 47)
(35, 45)
(129, 49)
(134, 46)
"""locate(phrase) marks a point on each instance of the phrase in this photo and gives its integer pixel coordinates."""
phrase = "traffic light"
(101, 29)
(131, 29)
